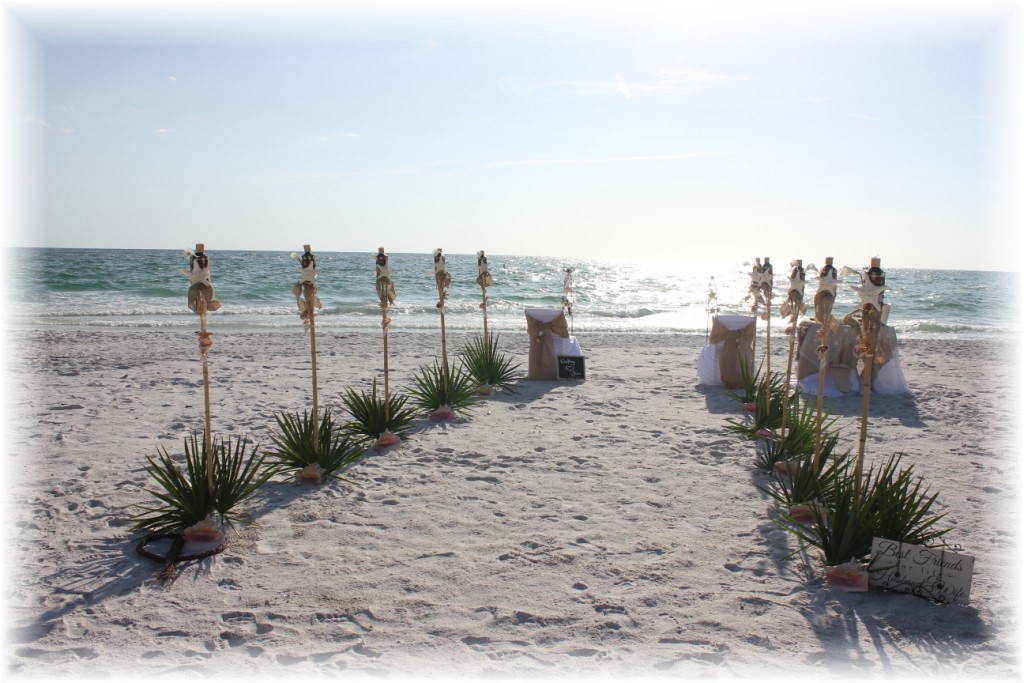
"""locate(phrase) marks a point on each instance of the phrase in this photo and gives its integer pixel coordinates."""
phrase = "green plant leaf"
(370, 419)
(487, 365)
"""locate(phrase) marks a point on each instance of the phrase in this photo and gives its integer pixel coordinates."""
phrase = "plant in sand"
(442, 394)
(748, 392)
(886, 503)
(294, 448)
(487, 365)
(806, 485)
(801, 435)
(374, 416)
(905, 509)
(768, 397)
(187, 497)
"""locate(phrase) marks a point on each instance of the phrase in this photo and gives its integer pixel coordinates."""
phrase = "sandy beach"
(609, 527)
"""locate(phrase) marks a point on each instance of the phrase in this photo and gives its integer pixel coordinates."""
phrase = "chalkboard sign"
(571, 367)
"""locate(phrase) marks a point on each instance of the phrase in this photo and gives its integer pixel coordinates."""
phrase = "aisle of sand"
(605, 527)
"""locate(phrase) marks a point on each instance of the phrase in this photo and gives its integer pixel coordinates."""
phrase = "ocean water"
(91, 288)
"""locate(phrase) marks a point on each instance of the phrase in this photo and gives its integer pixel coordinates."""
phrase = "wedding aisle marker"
(824, 299)
(568, 297)
(484, 280)
(197, 503)
(872, 314)
(200, 300)
(767, 285)
(793, 306)
(308, 303)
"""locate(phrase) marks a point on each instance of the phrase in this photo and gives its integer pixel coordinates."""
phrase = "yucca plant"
(487, 365)
(372, 416)
(294, 445)
(801, 435)
(441, 396)
(186, 496)
(768, 397)
(904, 508)
(886, 503)
(806, 484)
(844, 531)
(748, 392)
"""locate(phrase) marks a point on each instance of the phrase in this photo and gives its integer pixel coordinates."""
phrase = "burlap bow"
(543, 359)
(737, 345)
(840, 355)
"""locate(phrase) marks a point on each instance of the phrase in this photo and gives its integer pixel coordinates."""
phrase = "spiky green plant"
(844, 531)
(293, 444)
(887, 503)
(432, 391)
(748, 392)
(372, 415)
(487, 365)
(801, 435)
(187, 499)
(768, 399)
(904, 507)
(807, 484)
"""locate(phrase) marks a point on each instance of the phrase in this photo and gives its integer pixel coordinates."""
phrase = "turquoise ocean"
(97, 288)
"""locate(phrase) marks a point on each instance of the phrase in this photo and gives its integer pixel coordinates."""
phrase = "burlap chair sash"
(543, 363)
(737, 346)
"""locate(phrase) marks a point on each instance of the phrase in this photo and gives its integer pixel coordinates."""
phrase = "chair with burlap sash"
(549, 339)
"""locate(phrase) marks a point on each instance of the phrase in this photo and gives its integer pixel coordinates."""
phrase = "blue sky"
(608, 129)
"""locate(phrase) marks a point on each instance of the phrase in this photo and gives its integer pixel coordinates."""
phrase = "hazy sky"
(623, 129)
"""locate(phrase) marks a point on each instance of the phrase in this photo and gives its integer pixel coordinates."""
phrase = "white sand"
(607, 527)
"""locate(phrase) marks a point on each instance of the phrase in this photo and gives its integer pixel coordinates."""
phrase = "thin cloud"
(866, 117)
(663, 81)
(344, 137)
(163, 132)
(325, 175)
(596, 160)
(34, 120)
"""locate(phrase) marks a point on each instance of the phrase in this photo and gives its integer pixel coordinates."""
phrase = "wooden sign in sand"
(933, 573)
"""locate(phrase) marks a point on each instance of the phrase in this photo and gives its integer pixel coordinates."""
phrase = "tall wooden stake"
(442, 279)
(386, 294)
(307, 287)
(871, 293)
(766, 286)
(200, 300)
(823, 301)
(794, 302)
(483, 279)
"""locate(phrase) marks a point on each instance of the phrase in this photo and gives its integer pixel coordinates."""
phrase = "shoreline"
(610, 526)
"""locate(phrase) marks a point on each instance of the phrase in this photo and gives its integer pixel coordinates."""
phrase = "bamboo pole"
(483, 279)
(442, 279)
(766, 286)
(200, 300)
(386, 293)
(823, 301)
(871, 293)
(794, 299)
(312, 303)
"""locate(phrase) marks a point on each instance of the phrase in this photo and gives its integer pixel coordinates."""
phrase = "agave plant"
(294, 446)
(443, 395)
(372, 416)
(187, 496)
(488, 366)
